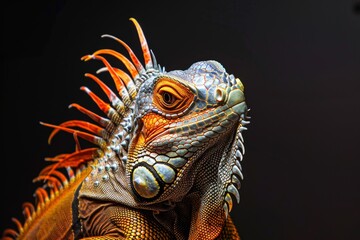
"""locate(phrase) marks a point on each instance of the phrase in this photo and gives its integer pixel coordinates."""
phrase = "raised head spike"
(129, 83)
(118, 82)
(18, 224)
(86, 136)
(144, 45)
(132, 55)
(104, 122)
(52, 182)
(81, 124)
(115, 101)
(74, 159)
(105, 107)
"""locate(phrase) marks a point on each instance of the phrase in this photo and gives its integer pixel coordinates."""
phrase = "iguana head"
(180, 117)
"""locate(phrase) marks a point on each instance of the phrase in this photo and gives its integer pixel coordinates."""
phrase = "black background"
(299, 62)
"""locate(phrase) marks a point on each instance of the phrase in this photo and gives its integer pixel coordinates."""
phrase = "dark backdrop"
(299, 62)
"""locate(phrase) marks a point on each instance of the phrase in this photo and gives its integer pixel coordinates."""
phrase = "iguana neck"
(202, 208)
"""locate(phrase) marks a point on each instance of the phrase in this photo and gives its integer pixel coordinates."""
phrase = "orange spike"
(118, 81)
(133, 57)
(98, 119)
(125, 78)
(50, 170)
(77, 142)
(26, 212)
(144, 45)
(106, 108)
(56, 158)
(88, 137)
(115, 101)
(10, 234)
(128, 82)
(133, 71)
(18, 224)
(44, 194)
(81, 124)
(70, 160)
(123, 59)
(39, 197)
(76, 158)
(8, 238)
(54, 182)
(59, 175)
(29, 206)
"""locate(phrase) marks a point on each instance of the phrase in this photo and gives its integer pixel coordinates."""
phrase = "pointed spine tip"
(107, 36)
(47, 125)
(85, 89)
(86, 58)
(103, 69)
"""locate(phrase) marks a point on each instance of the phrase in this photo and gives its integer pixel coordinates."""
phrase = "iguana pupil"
(168, 98)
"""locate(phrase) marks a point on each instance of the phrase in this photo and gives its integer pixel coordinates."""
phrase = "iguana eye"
(171, 97)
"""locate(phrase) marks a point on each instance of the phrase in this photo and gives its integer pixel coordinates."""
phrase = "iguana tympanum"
(166, 163)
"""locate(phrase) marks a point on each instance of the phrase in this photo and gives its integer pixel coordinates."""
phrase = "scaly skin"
(167, 161)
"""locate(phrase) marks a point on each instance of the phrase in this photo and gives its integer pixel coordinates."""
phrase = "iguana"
(165, 162)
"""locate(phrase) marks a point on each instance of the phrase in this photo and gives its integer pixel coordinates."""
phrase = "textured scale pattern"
(166, 161)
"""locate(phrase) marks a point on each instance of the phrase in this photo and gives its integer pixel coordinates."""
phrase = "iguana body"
(166, 163)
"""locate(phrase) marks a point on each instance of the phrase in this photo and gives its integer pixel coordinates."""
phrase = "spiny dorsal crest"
(119, 108)
(111, 133)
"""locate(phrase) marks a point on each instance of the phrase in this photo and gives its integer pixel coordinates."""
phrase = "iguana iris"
(166, 163)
